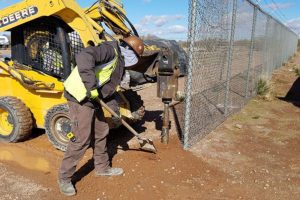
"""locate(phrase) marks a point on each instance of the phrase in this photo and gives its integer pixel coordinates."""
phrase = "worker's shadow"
(118, 138)
(293, 95)
(118, 141)
(150, 116)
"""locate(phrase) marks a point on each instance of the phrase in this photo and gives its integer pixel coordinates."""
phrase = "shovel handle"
(117, 116)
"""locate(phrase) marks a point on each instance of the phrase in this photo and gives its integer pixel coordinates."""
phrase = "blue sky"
(169, 18)
(164, 18)
(287, 11)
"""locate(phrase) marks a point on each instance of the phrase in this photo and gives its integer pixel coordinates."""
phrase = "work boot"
(110, 172)
(66, 188)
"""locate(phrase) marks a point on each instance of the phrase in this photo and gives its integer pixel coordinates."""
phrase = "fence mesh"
(232, 44)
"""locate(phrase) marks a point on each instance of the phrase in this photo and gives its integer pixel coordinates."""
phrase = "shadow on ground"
(178, 114)
(293, 95)
(36, 132)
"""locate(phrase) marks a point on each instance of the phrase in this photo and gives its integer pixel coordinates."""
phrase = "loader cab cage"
(48, 45)
(76, 43)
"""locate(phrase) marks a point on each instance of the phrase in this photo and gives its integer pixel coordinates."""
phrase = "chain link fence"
(232, 44)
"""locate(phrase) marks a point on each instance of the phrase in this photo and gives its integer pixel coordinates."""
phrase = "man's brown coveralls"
(87, 117)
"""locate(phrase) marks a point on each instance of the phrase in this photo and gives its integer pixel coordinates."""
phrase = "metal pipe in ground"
(166, 124)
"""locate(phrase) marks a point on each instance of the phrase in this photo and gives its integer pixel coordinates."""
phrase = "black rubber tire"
(136, 104)
(58, 139)
(20, 117)
(60, 142)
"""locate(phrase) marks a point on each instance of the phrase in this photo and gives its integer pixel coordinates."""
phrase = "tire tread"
(23, 116)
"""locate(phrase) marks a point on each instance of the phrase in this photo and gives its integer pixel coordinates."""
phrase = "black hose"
(129, 22)
(108, 35)
(120, 13)
(87, 11)
(125, 18)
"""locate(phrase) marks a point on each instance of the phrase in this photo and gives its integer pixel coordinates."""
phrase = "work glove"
(92, 95)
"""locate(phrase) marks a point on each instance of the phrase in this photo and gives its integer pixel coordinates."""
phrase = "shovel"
(145, 143)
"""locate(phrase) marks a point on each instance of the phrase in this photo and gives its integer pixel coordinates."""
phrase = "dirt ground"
(252, 155)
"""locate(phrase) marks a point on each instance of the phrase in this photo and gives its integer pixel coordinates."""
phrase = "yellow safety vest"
(74, 85)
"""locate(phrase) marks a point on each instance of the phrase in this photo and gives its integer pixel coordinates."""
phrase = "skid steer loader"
(45, 37)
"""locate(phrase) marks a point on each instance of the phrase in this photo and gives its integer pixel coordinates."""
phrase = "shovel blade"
(147, 145)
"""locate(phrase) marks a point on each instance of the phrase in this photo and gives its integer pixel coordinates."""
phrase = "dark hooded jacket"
(86, 61)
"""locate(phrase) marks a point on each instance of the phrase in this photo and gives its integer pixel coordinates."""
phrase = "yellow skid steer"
(45, 38)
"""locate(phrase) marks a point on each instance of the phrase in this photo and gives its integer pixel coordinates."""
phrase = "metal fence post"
(230, 55)
(188, 89)
(267, 46)
(250, 62)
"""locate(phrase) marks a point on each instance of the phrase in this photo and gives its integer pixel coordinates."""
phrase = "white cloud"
(170, 32)
(164, 26)
(177, 29)
(159, 21)
(278, 6)
(294, 24)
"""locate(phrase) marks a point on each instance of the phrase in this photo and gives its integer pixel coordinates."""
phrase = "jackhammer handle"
(117, 116)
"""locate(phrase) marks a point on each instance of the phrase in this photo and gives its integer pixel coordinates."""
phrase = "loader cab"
(48, 45)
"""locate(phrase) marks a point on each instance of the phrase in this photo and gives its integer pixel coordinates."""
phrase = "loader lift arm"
(85, 22)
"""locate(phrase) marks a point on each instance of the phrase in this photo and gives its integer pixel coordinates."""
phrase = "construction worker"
(101, 69)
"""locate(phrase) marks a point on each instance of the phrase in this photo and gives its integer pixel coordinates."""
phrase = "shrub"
(263, 87)
(297, 71)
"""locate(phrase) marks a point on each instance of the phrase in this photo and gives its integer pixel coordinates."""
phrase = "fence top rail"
(256, 5)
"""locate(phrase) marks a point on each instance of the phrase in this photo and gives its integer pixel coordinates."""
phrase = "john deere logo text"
(21, 14)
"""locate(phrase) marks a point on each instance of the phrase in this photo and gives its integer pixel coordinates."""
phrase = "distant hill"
(150, 37)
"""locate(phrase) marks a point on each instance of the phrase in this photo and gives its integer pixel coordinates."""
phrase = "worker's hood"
(130, 57)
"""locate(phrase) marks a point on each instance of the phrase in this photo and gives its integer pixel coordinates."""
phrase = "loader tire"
(58, 125)
(16, 121)
(136, 105)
